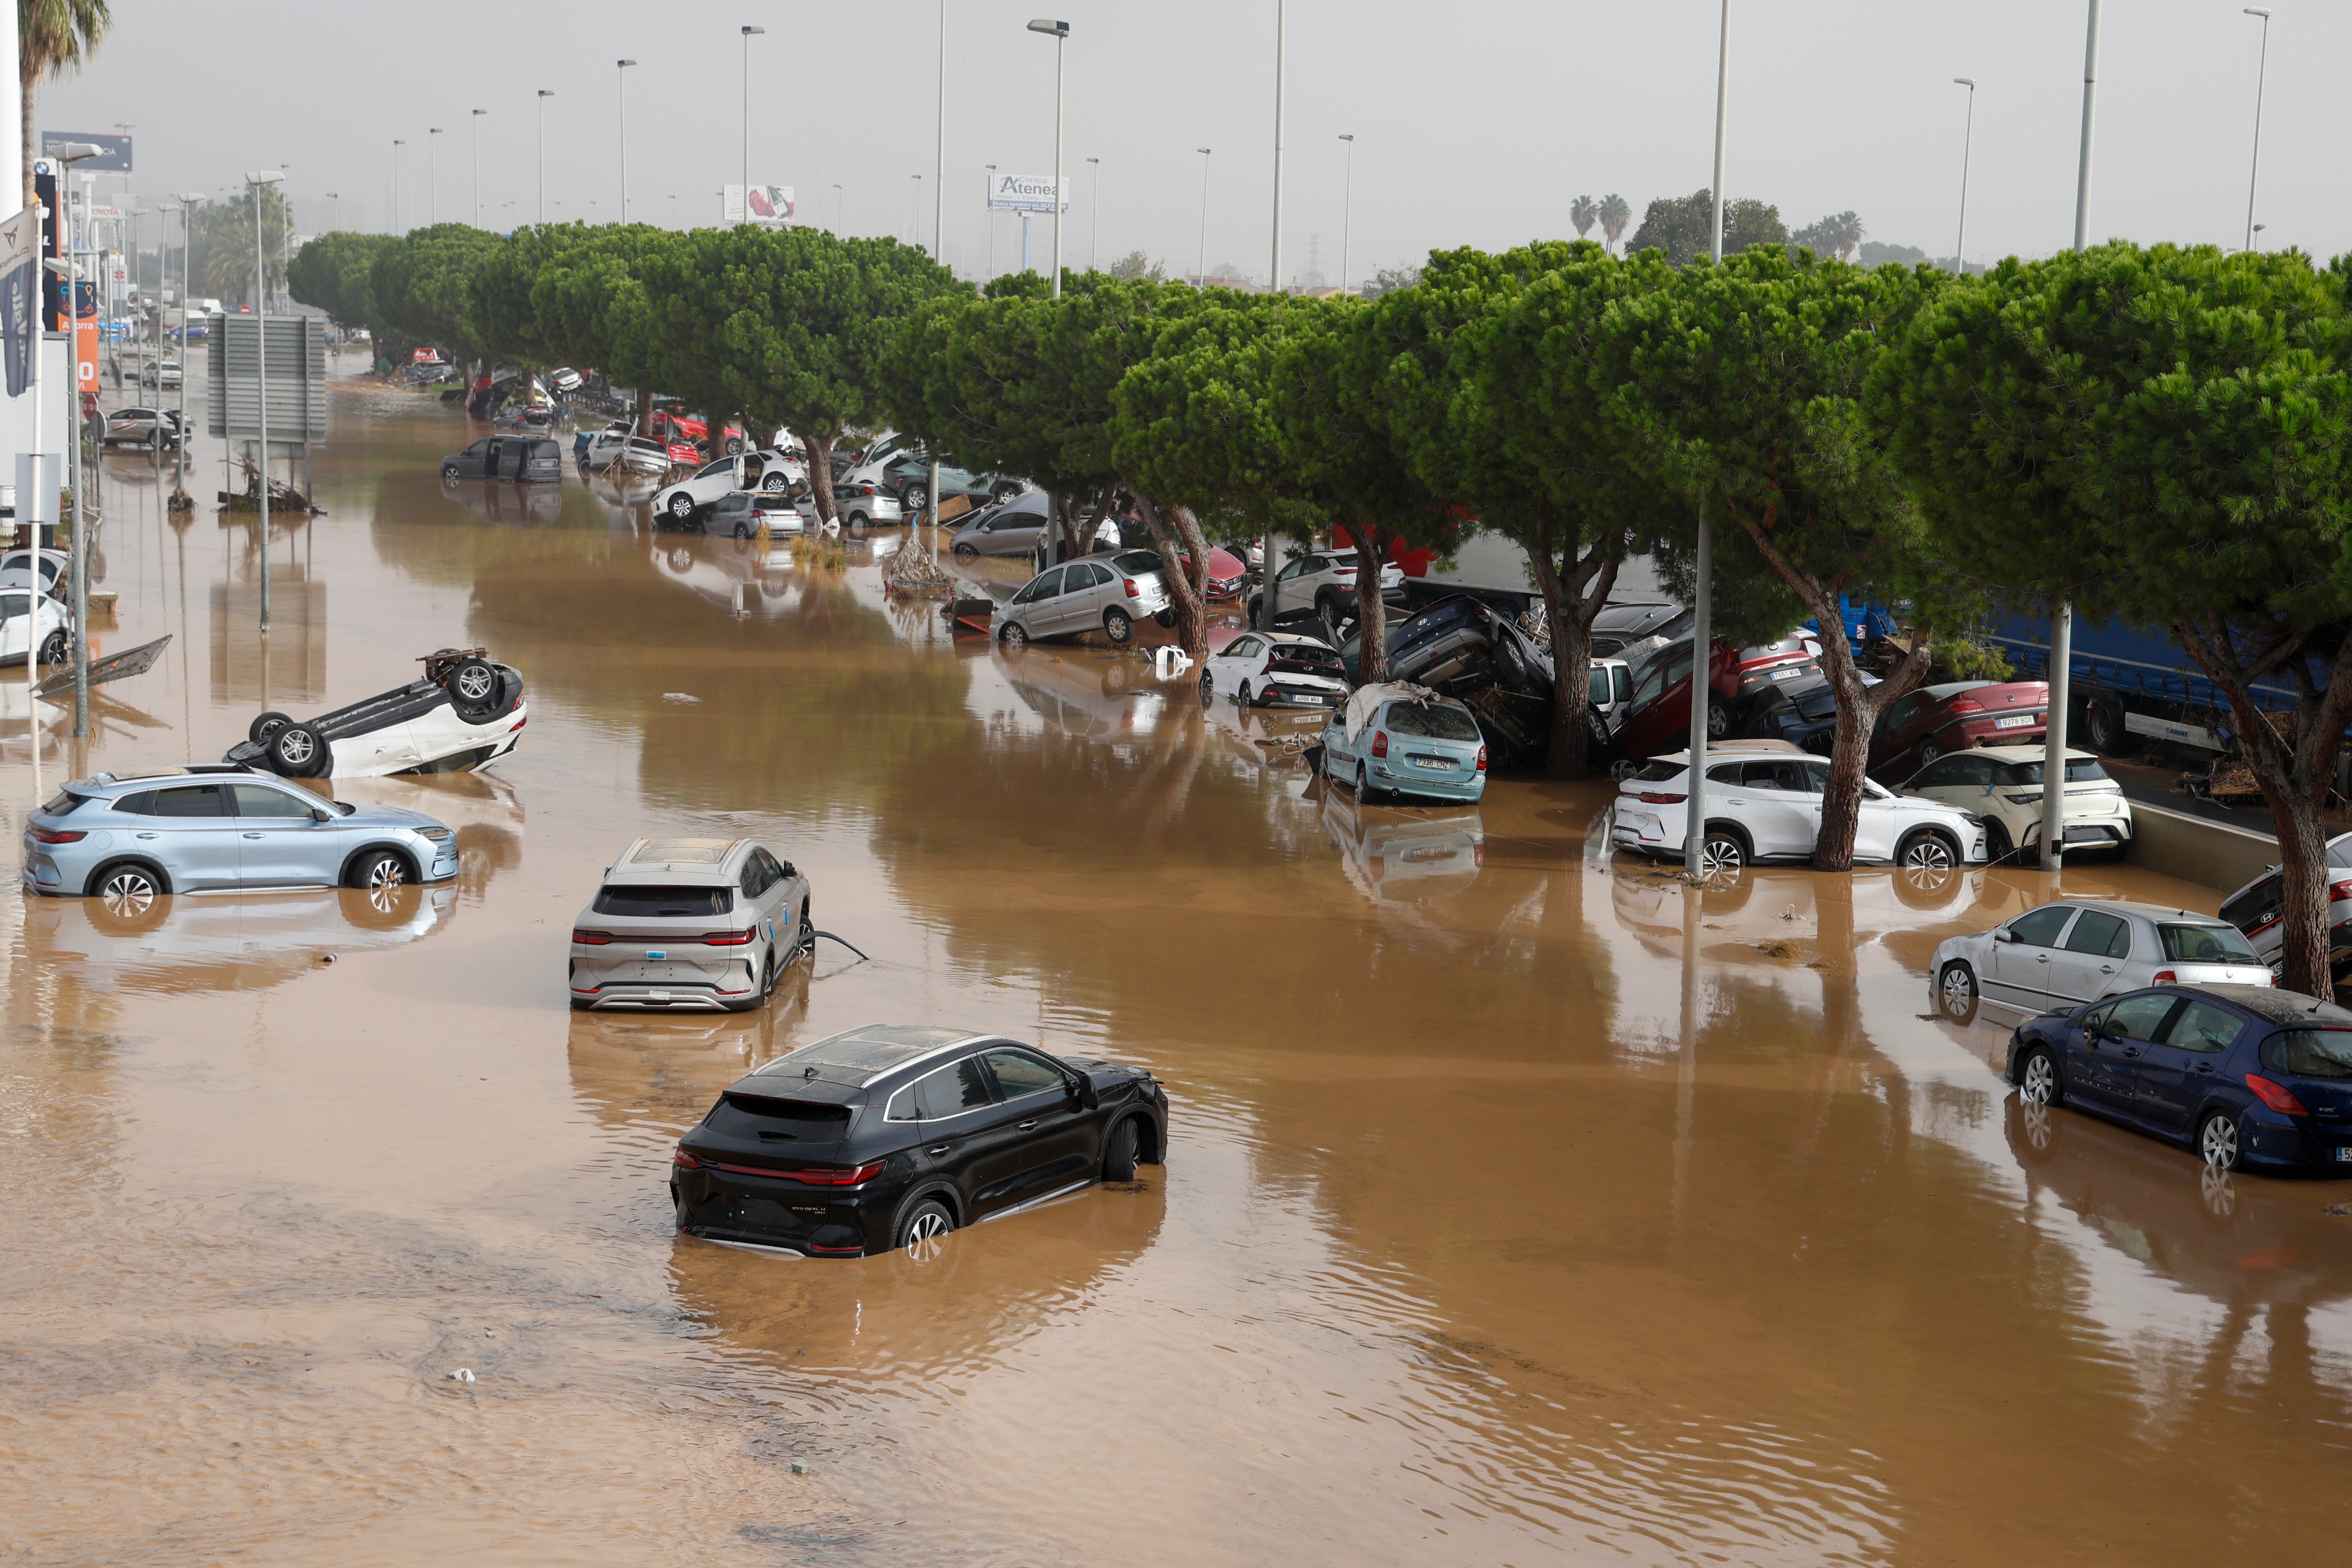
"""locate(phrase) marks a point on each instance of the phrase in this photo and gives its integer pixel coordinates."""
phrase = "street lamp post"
(397, 145)
(255, 180)
(432, 175)
(543, 96)
(621, 76)
(1703, 587)
(1060, 32)
(1347, 208)
(69, 155)
(1094, 221)
(1201, 269)
(478, 167)
(2261, 73)
(1967, 144)
(749, 34)
(939, 228)
(1281, 37)
(987, 216)
(187, 278)
(917, 235)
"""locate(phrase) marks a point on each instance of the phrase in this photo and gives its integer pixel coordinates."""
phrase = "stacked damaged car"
(1465, 649)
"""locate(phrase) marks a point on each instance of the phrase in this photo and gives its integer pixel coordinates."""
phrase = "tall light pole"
(1703, 587)
(478, 167)
(1200, 268)
(1967, 143)
(1094, 221)
(433, 181)
(69, 155)
(543, 96)
(987, 216)
(2061, 620)
(1347, 208)
(1060, 32)
(255, 180)
(749, 34)
(939, 227)
(1281, 37)
(188, 203)
(333, 197)
(917, 235)
(397, 145)
(621, 76)
(2261, 73)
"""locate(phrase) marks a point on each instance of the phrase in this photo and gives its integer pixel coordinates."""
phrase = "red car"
(688, 427)
(1937, 719)
(1658, 718)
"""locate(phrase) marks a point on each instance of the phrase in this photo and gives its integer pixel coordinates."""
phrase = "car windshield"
(1303, 660)
(2310, 1053)
(1134, 563)
(2079, 770)
(2205, 944)
(1432, 719)
(645, 902)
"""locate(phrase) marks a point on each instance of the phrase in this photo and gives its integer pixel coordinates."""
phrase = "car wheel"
(2104, 731)
(681, 506)
(473, 683)
(1719, 721)
(449, 471)
(56, 649)
(1928, 752)
(1623, 768)
(1208, 690)
(923, 1230)
(377, 871)
(2217, 1144)
(804, 934)
(734, 446)
(964, 552)
(1926, 851)
(125, 891)
(1119, 625)
(742, 528)
(1016, 634)
(854, 525)
(774, 484)
(299, 751)
(1956, 992)
(1255, 605)
(1997, 844)
(2038, 1082)
(1121, 1152)
(1243, 696)
(268, 724)
(914, 498)
(1722, 853)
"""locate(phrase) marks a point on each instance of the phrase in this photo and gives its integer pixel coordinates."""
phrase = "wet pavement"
(1522, 1205)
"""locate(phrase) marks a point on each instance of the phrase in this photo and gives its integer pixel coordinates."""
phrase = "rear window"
(652, 903)
(2205, 944)
(2079, 770)
(2310, 1053)
(1306, 661)
(777, 1121)
(1659, 772)
(63, 804)
(1136, 561)
(1429, 719)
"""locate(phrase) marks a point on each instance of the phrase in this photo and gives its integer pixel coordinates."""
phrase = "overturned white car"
(465, 714)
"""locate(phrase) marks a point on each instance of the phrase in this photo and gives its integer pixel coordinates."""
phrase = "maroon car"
(1919, 728)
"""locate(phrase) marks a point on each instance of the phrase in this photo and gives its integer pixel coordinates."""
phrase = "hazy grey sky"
(1476, 123)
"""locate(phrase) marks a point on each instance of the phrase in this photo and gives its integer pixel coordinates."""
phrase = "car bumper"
(681, 996)
(1424, 782)
(2276, 1140)
(1320, 702)
(742, 1208)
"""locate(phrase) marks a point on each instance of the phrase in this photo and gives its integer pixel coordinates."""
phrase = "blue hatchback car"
(1426, 745)
(2243, 1074)
(221, 825)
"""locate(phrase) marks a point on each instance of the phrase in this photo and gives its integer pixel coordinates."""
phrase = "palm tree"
(1581, 213)
(53, 36)
(1614, 216)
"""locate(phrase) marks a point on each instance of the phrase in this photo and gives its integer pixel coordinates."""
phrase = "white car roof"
(2024, 753)
(1295, 639)
(1718, 750)
(2144, 911)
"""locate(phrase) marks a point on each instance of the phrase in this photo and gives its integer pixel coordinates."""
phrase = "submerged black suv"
(891, 1136)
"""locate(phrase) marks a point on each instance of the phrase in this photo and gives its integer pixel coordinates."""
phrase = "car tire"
(268, 724)
(125, 893)
(1367, 792)
(1014, 635)
(923, 1229)
(854, 525)
(775, 484)
(1244, 697)
(804, 935)
(2220, 1142)
(1925, 849)
(742, 528)
(56, 649)
(1119, 625)
(964, 551)
(1122, 1151)
(914, 498)
(376, 870)
(2104, 731)
(2038, 1081)
(681, 506)
(1997, 844)
(299, 751)
(472, 686)
(1719, 721)
(1723, 852)
(1208, 690)
(449, 471)
(734, 446)
(1956, 992)
(1928, 752)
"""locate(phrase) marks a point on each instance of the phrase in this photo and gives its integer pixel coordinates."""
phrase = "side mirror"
(320, 813)
(2004, 934)
(1083, 1089)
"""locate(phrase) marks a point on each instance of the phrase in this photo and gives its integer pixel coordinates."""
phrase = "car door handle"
(2106, 969)
(253, 836)
(2132, 1051)
(1028, 1125)
(936, 1149)
(2206, 1067)
(143, 836)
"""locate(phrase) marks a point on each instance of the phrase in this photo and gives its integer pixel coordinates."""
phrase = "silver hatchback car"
(178, 830)
(1109, 591)
(2070, 952)
(689, 925)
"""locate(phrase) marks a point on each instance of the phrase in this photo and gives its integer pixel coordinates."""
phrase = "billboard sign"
(1026, 193)
(770, 205)
(114, 151)
(86, 335)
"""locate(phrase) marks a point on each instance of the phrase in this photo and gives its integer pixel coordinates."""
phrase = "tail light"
(1482, 758)
(1379, 742)
(590, 938)
(684, 1161)
(1966, 705)
(1660, 797)
(2164, 977)
(843, 1251)
(835, 1175)
(726, 938)
(2277, 1096)
(2339, 890)
(51, 836)
(518, 724)
(1132, 591)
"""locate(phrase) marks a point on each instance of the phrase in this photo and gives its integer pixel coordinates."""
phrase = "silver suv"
(689, 925)
(1110, 592)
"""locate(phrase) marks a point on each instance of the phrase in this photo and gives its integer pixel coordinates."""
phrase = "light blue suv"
(180, 830)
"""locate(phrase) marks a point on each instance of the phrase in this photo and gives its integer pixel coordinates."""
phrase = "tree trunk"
(1371, 610)
(644, 412)
(1174, 528)
(1858, 707)
(1570, 613)
(820, 474)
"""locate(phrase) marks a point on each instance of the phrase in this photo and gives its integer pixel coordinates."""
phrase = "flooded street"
(1521, 1206)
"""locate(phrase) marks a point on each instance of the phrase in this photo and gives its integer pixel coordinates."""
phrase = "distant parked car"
(1764, 802)
(531, 458)
(1657, 720)
(1274, 669)
(2075, 951)
(1016, 528)
(1323, 583)
(1109, 593)
(2003, 785)
(37, 621)
(908, 478)
(858, 508)
(689, 925)
(1427, 745)
(17, 566)
(617, 428)
(142, 428)
(2257, 910)
(163, 376)
(740, 513)
(1923, 725)
(563, 379)
(2241, 1074)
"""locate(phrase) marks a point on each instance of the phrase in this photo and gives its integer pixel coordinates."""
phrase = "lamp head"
(2258, 11)
(1346, 136)
(545, 93)
(749, 32)
(479, 113)
(624, 64)
(1202, 151)
(264, 176)
(72, 152)
(60, 266)
(1968, 82)
(1050, 28)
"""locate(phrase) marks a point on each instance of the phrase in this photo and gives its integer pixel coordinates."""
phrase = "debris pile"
(914, 572)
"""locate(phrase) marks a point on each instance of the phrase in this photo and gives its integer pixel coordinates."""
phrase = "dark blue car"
(2245, 1075)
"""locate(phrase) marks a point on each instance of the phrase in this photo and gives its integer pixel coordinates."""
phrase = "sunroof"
(876, 1048)
(681, 852)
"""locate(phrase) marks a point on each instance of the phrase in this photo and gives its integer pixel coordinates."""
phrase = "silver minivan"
(1111, 593)
(689, 925)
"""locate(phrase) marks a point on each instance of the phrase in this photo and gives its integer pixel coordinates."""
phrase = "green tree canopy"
(1684, 226)
(334, 273)
(419, 284)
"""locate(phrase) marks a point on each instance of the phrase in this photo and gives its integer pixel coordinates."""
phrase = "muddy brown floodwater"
(1521, 1206)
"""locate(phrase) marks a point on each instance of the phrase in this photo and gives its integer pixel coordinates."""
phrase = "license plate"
(2344, 1156)
(657, 952)
(1432, 762)
(2014, 722)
